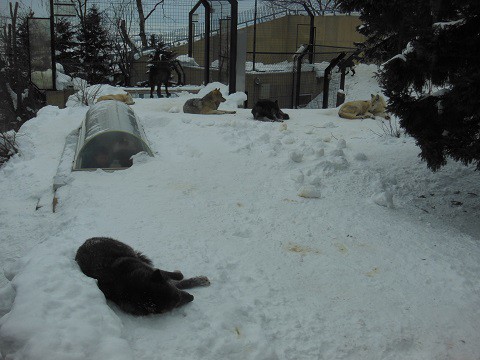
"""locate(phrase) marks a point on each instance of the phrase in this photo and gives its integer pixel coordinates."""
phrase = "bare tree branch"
(151, 12)
(124, 34)
(143, 18)
(141, 23)
(13, 15)
(81, 10)
(124, 47)
(318, 7)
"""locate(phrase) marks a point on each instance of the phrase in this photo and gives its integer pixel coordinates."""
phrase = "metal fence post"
(52, 44)
(191, 36)
(298, 78)
(232, 83)
(311, 40)
(326, 78)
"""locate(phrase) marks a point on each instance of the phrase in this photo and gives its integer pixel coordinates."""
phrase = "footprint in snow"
(296, 156)
(384, 198)
(246, 233)
(360, 156)
(341, 144)
(309, 192)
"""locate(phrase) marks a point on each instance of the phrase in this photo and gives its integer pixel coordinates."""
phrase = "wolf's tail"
(143, 258)
(347, 115)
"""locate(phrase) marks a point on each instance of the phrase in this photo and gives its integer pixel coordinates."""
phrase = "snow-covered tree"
(19, 100)
(430, 72)
(65, 45)
(95, 49)
(122, 20)
(388, 25)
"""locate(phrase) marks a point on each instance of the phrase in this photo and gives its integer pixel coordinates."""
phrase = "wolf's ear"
(377, 97)
(276, 101)
(373, 96)
(157, 276)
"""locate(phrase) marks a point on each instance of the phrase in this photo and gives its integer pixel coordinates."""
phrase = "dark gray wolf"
(161, 65)
(206, 105)
(349, 66)
(128, 278)
(159, 73)
(268, 109)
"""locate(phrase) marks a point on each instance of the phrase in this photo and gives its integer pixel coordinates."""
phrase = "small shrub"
(8, 146)
(85, 94)
(389, 128)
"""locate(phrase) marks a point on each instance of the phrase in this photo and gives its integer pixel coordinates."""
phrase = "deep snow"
(323, 240)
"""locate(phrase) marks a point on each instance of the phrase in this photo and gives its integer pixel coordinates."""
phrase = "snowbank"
(321, 240)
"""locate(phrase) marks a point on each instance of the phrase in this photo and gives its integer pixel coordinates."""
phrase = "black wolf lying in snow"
(268, 109)
(128, 278)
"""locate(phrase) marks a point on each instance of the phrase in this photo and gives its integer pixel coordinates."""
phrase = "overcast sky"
(41, 7)
(37, 6)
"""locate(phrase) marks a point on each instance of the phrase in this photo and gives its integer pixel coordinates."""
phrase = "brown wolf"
(206, 105)
(129, 279)
(362, 109)
(126, 98)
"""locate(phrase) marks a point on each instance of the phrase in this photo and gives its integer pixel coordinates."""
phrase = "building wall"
(287, 34)
(283, 35)
(267, 85)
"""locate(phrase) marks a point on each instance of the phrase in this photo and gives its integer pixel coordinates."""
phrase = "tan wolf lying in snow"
(362, 109)
(126, 98)
(206, 105)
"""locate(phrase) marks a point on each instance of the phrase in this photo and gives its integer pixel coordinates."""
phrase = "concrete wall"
(276, 86)
(279, 86)
(287, 34)
(59, 97)
(284, 35)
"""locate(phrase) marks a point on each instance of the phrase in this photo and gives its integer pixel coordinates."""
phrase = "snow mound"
(69, 318)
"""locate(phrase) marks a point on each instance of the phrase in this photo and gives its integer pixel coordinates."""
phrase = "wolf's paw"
(176, 275)
(202, 281)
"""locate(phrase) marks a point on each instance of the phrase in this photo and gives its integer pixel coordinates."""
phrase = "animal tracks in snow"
(311, 165)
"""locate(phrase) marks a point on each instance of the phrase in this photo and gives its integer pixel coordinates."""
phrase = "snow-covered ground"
(323, 240)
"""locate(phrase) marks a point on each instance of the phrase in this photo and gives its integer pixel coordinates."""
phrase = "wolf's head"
(377, 104)
(279, 114)
(129, 99)
(152, 293)
(217, 96)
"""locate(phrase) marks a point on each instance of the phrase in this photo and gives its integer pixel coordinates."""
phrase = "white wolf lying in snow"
(362, 109)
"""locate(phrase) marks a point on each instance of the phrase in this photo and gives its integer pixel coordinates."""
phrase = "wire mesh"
(274, 36)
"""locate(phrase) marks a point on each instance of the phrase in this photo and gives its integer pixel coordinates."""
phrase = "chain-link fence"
(203, 34)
